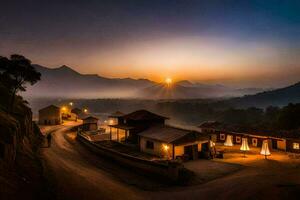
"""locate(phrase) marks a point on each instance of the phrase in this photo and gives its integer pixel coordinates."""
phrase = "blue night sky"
(244, 43)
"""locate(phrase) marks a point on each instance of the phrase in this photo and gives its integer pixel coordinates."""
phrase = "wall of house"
(169, 170)
(115, 132)
(158, 148)
(281, 145)
(179, 151)
(252, 140)
(50, 117)
(292, 144)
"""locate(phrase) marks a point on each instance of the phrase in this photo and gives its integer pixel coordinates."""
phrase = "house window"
(149, 144)
(238, 139)
(222, 136)
(254, 142)
(296, 145)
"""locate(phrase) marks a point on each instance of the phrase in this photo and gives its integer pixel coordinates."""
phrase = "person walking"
(49, 138)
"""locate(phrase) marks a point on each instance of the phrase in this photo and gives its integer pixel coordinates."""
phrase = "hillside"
(278, 97)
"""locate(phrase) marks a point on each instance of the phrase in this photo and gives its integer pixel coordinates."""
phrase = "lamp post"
(245, 146)
(228, 141)
(265, 149)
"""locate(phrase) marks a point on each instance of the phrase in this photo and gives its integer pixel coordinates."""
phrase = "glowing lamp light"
(245, 146)
(85, 110)
(165, 147)
(71, 103)
(212, 144)
(228, 141)
(265, 149)
(64, 108)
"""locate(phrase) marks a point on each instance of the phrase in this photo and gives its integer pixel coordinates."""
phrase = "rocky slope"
(21, 172)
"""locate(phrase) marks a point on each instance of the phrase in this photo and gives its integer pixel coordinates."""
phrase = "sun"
(168, 81)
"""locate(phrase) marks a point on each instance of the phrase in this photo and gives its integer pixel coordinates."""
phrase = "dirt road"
(75, 173)
(74, 177)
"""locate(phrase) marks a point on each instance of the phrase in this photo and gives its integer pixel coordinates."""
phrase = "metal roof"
(143, 115)
(164, 133)
(90, 117)
(50, 107)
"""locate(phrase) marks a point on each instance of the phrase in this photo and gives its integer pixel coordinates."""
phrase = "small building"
(133, 123)
(280, 140)
(50, 115)
(76, 111)
(113, 119)
(90, 124)
(171, 143)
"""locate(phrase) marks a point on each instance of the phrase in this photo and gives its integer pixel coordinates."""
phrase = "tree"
(15, 73)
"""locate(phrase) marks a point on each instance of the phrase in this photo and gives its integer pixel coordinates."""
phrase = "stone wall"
(169, 170)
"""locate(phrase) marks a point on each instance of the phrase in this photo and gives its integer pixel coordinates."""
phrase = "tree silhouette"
(15, 73)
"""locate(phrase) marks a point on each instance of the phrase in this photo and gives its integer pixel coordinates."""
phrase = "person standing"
(49, 138)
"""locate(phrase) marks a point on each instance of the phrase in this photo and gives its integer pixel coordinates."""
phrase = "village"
(146, 142)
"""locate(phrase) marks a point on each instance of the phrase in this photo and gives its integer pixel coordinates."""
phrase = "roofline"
(90, 117)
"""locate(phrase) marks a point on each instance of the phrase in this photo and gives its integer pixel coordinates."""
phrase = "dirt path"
(78, 174)
(75, 178)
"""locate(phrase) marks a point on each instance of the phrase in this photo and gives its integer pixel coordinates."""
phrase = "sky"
(230, 42)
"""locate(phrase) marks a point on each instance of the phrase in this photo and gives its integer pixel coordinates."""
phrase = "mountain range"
(66, 82)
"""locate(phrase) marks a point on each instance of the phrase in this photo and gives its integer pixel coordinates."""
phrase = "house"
(170, 142)
(76, 111)
(114, 118)
(90, 124)
(281, 140)
(133, 123)
(50, 115)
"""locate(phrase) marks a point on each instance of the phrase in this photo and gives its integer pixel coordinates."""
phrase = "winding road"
(75, 173)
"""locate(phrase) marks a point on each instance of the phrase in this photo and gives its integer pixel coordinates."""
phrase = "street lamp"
(64, 108)
(71, 103)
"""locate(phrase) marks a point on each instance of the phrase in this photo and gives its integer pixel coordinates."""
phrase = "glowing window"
(149, 145)
(222, 136)
(296, 146)
(238, 139)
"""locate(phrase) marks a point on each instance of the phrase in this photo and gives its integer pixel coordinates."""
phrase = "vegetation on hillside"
(271, 118)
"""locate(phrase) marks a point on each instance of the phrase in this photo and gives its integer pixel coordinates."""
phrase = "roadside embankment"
(21, 171)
